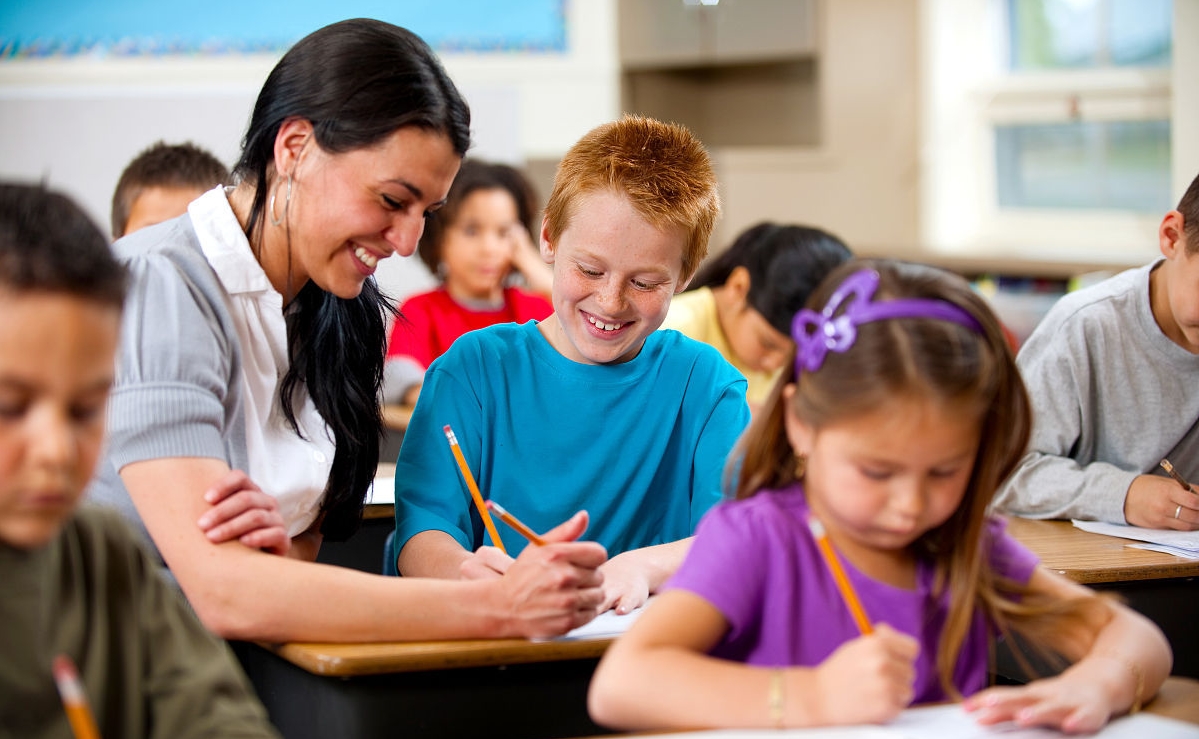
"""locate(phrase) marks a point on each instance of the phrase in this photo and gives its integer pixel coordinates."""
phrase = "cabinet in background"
(737, 73)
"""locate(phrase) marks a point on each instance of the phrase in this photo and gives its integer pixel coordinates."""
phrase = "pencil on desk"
(474, 489)
(83, 726)
(1169, 468)
(843, 584)
(516, 523)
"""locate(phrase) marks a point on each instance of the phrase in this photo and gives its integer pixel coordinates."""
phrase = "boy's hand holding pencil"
(541, 574)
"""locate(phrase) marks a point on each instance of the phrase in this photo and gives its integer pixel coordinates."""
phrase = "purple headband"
(816, 334)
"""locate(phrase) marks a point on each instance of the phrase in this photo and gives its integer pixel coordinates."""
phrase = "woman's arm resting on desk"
(244, 593)
(659, 675)
(1121, 659)
(631, 576)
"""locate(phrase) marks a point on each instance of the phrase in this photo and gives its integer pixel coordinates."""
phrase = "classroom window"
(1054, 129)
(1099, 139)
(1106, 165)
(1072, 34)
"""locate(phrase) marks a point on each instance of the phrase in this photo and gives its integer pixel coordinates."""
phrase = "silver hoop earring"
(286, 203)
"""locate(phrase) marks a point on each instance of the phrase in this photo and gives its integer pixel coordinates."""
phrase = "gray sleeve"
(174, 367)
(1050, 481)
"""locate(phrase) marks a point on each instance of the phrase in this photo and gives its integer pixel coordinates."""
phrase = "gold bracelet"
(774, 698)
(1137, 673)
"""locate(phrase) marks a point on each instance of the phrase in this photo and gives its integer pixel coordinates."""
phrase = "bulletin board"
(137, 28)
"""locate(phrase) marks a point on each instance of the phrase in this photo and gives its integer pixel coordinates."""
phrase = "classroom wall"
(76, 122)
(861, 180)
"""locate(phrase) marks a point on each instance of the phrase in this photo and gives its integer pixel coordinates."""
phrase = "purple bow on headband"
(816, 334)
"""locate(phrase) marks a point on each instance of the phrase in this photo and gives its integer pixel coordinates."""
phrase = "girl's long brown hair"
(941, 362)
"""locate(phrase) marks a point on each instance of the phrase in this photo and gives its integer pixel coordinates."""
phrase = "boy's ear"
(547, 248)
(293, 136)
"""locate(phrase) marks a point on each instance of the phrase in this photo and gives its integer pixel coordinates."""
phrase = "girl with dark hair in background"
(742, 301)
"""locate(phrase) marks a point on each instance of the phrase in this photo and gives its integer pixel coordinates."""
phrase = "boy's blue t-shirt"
(640, 445)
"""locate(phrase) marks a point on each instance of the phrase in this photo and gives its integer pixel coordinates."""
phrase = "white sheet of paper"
(1164, 549)
(1188, 540)
(607, 625)
(951, 722)
(382, 492)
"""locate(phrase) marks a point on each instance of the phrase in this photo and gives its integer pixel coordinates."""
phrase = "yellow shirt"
(693, 314)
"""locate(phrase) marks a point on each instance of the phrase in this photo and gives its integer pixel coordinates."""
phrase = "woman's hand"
(1071, 705)
(242, 512)
(867, 680)
(551, 589)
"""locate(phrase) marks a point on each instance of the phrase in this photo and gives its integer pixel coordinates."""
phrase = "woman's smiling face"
(351, 209)
(614, 276)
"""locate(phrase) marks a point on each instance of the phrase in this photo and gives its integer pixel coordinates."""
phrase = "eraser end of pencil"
(815, 527)
(63, 667)
(446, 429)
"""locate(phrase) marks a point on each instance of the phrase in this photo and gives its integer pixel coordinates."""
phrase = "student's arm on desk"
(630, 577)
(1051, 485)
(659, 675)
(1152, 501)
(1120, 660)
(244, 593)
(437, 554)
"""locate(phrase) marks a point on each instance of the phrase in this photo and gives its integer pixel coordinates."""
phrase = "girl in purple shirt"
(902, 414)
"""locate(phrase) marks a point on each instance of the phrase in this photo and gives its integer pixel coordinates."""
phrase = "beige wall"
(861, 181)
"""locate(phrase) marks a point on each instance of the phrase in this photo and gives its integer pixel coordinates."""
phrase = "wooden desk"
(484, 688)
(1161, 586)
(1095, 559)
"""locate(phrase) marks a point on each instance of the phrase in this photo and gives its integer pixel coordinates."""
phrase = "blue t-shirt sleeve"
(727, 565)
(430, 493)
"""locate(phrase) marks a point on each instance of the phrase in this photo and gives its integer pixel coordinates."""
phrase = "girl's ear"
(547, 248)
(799, 434)
(290, 141)
(738, 283)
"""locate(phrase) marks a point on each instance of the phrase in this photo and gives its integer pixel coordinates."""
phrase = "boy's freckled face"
(56, 367)
(614, 276)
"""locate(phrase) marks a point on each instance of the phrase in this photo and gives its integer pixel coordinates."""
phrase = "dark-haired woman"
(244, 423)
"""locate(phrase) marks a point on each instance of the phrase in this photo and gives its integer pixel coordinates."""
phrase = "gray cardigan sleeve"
(175, 387)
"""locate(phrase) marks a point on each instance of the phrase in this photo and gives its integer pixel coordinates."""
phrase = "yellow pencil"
(474, 489)
(83, 726)
(843, 584)
(516, 523)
